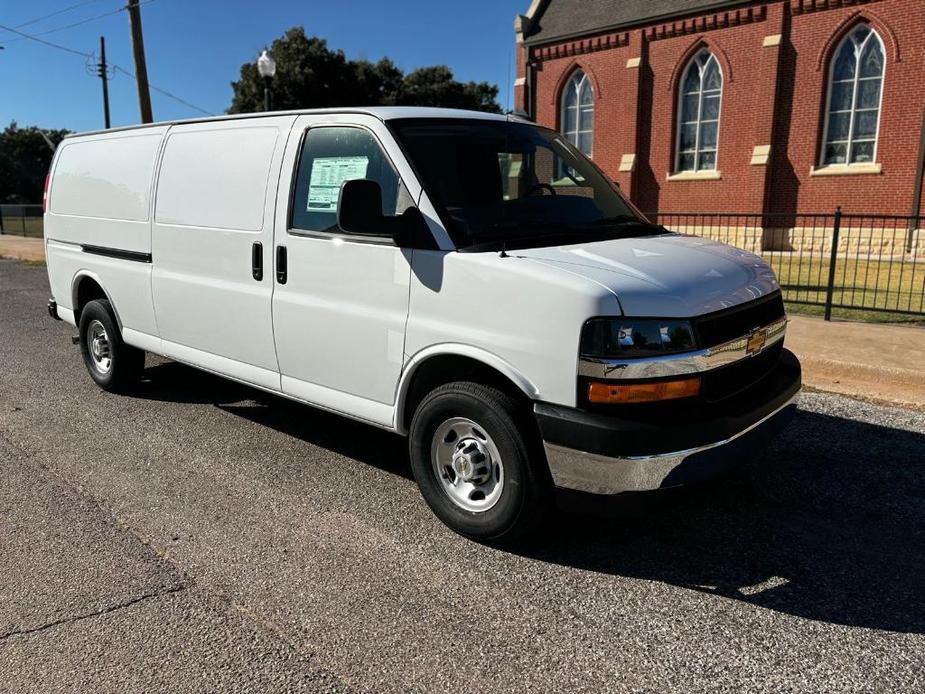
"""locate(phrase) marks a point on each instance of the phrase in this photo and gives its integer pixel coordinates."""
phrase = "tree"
(24, 160)
(435, 86)
(378, 83)
(310, 75)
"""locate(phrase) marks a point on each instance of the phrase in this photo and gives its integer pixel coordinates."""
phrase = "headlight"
(628, 338)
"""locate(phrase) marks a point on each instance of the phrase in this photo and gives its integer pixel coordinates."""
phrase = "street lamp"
(266, 66)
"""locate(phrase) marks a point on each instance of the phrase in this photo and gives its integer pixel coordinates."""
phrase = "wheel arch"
(86, 287)
(440, 364)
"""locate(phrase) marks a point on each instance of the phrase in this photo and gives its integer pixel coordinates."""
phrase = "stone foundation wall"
(852, 241)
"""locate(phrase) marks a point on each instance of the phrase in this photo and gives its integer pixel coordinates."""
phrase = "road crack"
(89, 615)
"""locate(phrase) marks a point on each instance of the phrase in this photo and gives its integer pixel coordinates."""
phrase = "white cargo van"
(468, 280)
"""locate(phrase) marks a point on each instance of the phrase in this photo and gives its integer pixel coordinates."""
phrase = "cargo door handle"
(281, 264)
(257, 261)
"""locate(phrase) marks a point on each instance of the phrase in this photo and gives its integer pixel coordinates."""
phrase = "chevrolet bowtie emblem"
(756, 341)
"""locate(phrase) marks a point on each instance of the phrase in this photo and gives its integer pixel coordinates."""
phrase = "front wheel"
(474, 457)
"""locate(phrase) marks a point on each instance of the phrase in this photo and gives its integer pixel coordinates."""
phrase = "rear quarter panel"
(100, 195)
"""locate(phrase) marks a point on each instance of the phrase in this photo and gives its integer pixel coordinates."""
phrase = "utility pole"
(141, 69)
(101, 71)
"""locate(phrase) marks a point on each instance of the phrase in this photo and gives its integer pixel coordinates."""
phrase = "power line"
(78, 23)
(119, 68)
(46, 43)
(90, 56)
(56, 13)
(70, 26)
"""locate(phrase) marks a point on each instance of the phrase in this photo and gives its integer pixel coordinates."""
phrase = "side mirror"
(412, 231)
(359, 209)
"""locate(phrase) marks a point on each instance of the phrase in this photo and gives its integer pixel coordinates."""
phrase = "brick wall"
(774, 57)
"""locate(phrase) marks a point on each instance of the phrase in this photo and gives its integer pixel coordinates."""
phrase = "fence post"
(1, 219)
(832, 259)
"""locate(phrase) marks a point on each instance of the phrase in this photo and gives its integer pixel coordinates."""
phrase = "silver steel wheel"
(467, 464)
(99, 347)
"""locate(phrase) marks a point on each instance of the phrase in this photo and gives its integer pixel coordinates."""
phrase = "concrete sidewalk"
(869, 360)
(22, 248)
(880, 362)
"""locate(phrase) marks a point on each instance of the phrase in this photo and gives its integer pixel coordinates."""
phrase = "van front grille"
(722, 326)
(727, 381)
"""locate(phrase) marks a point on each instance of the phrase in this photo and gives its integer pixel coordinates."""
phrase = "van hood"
(665, 276)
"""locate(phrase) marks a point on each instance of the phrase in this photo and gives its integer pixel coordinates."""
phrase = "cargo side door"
(212, 242)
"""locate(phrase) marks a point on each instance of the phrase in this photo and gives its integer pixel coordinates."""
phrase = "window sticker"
(328, 174)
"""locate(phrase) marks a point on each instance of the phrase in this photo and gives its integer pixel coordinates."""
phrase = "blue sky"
(195, 48)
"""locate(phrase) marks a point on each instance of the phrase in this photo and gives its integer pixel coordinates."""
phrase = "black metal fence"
(862, 265)
(21, 220)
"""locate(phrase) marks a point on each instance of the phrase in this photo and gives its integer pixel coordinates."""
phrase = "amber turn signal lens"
(625, 393)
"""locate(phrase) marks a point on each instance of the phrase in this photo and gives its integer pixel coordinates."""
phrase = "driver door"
(341, 302)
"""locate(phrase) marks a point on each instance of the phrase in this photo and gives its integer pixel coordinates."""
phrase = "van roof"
(383, 113)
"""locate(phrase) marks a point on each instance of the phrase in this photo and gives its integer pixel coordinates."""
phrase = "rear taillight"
(45, 194)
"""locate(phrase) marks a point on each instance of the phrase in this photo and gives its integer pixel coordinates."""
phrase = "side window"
(330, 156)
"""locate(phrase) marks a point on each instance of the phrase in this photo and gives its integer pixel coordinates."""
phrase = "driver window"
(330, 156)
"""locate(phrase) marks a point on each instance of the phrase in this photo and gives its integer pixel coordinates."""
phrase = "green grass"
(860, 315)
(865, 285)
(23, 226)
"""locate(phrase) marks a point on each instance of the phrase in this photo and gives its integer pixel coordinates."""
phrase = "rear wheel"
(113, 364)
(475, 457)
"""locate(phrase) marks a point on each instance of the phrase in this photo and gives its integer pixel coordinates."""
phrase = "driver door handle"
(281, 264)
(257, 261)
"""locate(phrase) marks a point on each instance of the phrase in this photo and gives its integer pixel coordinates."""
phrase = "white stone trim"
(522, 22)
(627, 163)
(856, 169)
(761, 155)
(702, 175)
(633, 62)
(772, 40)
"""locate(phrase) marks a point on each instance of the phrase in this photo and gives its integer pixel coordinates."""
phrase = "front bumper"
(652, 448)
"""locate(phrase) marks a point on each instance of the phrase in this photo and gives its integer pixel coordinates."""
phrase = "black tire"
(125, 362)
(526, 497)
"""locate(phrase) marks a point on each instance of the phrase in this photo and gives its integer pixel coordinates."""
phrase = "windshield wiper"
(622, 220)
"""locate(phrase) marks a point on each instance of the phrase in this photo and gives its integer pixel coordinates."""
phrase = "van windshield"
(500, 184)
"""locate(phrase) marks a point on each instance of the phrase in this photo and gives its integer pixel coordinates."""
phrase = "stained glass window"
(853, 108)
(698, 119)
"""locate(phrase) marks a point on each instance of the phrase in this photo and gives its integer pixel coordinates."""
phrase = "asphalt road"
(200, 535)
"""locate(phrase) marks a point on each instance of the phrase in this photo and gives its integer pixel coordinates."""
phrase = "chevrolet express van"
(471, 281)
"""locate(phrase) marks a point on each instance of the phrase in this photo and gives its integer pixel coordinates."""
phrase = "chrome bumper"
(598, 474)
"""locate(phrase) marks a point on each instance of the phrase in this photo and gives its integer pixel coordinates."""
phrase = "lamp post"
(266, 66)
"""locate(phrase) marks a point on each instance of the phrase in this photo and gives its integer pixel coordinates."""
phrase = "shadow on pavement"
(173, 382)
(827, 524)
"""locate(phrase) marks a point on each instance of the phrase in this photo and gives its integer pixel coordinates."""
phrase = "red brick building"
(709, 106)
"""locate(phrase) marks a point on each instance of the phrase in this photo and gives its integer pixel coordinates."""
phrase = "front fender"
(458, 350)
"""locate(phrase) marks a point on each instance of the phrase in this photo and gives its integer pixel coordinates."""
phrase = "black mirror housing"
(359, 209)
(412, 231)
